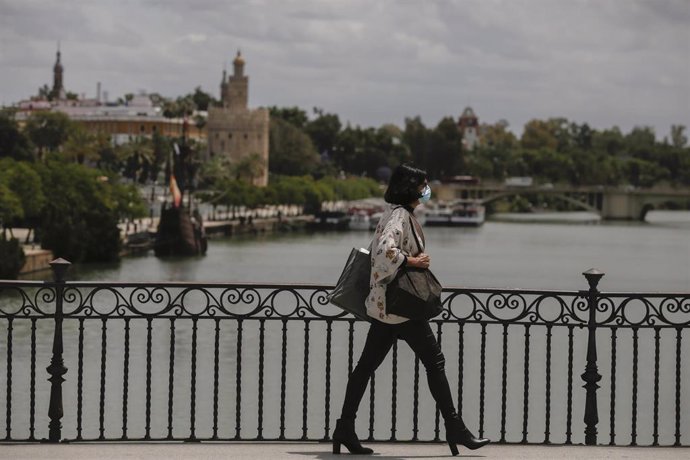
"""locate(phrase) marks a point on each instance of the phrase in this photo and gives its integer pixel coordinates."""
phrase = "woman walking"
(396, 244)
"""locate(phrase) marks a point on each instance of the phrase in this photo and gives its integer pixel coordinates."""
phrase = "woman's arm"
(421, 261)
(387, 254)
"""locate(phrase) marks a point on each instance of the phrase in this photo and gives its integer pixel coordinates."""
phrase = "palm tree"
(81, 146)
(249, 167)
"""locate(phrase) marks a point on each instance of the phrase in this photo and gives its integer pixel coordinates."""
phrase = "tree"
(48, 130)
(293, 115)
(609, 140)
(79, 222)
(13, 142)
(538, 134)
(202, 99)
(445, 156)
(249, 167)
(138, 158)
(25, 184)
(12, 258)
(292, 151)
(199, 122)
(497, 136)
(214, 172)
(81, 146)
(642, 173)
(416, 136)
(323, 131)
(162, 146)
(45, 93)
(10, 207)
(678, 137)
(641, 142)
(180, 107)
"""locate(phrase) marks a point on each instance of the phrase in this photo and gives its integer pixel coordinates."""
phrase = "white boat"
(457, 213)
(364, 220)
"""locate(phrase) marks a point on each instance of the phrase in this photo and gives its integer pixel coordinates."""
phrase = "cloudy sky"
(605, 62)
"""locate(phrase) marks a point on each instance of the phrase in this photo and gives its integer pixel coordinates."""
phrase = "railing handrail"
(321, 286)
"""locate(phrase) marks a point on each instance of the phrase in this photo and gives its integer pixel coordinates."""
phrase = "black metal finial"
(59, 267)
(593, 276)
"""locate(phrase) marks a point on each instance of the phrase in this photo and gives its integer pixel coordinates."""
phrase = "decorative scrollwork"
(196, 300)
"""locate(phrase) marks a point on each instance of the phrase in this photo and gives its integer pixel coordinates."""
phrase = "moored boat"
(364, 220)
(331, 220)
(457, 213)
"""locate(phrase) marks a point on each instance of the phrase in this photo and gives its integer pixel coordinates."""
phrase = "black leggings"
(380, 339)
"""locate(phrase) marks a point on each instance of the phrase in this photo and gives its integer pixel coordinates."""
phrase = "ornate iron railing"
(200, 361)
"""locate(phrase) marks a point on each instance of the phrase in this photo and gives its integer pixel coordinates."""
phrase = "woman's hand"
(421, 261)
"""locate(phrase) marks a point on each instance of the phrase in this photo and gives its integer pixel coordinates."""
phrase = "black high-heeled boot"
(457, 433)
(344, 434)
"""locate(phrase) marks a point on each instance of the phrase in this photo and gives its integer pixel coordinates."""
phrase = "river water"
(636, 257)
(651, 256)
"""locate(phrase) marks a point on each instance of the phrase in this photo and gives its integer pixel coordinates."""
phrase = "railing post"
(591, 375)
(57, 368)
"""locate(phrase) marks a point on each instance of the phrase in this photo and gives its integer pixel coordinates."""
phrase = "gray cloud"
(606, 62)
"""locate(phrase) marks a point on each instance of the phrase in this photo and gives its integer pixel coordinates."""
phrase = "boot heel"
(453, 448)
(336, 447)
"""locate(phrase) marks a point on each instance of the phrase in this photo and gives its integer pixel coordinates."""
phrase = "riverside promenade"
(308, 451)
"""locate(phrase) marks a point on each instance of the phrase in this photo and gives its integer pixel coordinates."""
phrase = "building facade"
(122, 123)
(468, 124)
(234, 130)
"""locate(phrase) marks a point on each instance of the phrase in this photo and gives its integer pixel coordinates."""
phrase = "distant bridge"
(608, 202)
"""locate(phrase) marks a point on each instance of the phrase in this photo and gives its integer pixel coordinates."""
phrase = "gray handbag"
(352, 287)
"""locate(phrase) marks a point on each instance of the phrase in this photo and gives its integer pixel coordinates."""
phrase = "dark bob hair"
(403, 185)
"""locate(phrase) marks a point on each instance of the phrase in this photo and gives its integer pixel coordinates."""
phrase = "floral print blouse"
(393, 241)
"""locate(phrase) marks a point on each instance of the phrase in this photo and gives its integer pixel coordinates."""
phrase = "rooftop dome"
(238, 59)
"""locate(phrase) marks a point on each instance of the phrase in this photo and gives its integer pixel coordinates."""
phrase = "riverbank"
(138, 237)
(579, 217)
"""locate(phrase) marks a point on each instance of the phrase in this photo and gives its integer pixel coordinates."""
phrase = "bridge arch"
(563, 197)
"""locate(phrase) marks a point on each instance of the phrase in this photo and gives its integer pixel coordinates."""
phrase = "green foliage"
(249, 167)
(10, 206)
(23, 181)
(294, 190)
(323, 131)
(48, 130)
(202, 99)
(12, 258)
(353, 188)
(137, 157)
(79, 220)
(13, 142)
(539, 134)
(293, 115)
(292, 151)
(80, 145)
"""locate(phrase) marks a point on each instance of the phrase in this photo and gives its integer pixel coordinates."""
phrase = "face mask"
(426, 194)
